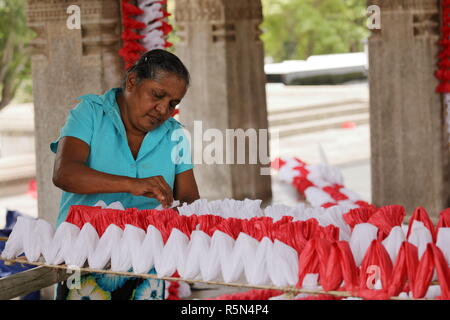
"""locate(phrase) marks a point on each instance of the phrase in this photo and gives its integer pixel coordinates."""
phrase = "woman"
(125, 146)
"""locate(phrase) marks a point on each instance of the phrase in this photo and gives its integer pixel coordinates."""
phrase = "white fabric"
(317, 197)
(102, 253)
(62, 243)
(150, 250)
(282, 263)
(173, 254)
(362, 236)
(198, 247)
(420, 236)
(14, 247)
(84, 245)
(128, 246)
(443, 242)
(393, 242)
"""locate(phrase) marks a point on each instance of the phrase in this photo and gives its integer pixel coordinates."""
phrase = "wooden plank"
(22, 283)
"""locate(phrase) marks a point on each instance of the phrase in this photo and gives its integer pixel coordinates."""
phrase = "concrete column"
(220, 45)
(408, 135)
(66, 64)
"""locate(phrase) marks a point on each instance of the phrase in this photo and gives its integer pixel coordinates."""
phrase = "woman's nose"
(162, 107)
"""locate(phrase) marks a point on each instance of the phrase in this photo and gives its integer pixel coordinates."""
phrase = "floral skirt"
(102, 286)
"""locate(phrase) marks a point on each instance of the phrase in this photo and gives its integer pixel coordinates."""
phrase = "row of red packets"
(318, 247)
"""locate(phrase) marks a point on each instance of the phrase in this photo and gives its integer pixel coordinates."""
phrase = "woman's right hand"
(152, 187)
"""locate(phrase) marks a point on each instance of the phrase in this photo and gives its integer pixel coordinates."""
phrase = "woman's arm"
(185, 188)
(71, 174)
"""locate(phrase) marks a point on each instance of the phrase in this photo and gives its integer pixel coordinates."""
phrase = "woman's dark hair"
(154, 63)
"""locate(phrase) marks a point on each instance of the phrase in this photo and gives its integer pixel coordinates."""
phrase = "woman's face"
(151, 102)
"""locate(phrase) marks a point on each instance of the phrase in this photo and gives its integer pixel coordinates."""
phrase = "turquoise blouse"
(96, 120)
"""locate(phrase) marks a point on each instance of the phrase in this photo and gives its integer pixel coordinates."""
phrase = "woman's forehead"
(172, 85)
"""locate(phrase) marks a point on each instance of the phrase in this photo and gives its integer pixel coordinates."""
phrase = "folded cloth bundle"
(376, 261)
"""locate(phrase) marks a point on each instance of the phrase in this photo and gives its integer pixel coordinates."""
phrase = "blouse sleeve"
(79, 124)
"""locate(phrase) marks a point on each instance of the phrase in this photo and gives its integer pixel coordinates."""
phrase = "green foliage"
(15, 56)
(297, 29)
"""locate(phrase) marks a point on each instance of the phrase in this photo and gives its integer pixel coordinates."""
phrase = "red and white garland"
(144, 29)
(321, 184)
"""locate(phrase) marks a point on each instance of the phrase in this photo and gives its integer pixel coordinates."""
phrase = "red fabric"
(313, 259)
(334, 192)
(358, 215)
(130, 10)
(386, 218)
(405, 268)
(230, 226)
(329, 205)
(301, 184)
(376, 258)
(340, 267)
(250, 295)
(431, 259)
(444, 219)
(443, 73)
(208, 222)
(420, 214)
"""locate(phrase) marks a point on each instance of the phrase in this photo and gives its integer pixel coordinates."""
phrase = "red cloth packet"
(358, 215)
(431, 259)
(313, 259)
(386, 218)
(444, 219)
(376, 265)
(420, 214)
(405, 268)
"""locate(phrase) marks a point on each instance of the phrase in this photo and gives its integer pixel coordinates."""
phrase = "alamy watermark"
(374, 17)
(229, 146)
(74, 19)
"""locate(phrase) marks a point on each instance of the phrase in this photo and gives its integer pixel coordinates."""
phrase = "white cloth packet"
(255, 267)
(393, 242)
(62, 243)
(211, 261)
(37, 239)
(334, 216)
(282, 263)
(362, 236)
(150, 250)
(102, 253)
(121, 253)
(14, 247)
(198, 246)
(173, 254)
(85, 245)
(420, 236)
(443, 242)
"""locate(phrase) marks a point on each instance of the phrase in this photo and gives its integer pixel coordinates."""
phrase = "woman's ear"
(131, 82)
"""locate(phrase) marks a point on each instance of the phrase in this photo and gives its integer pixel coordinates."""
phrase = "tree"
(297, 29)
(15, 55)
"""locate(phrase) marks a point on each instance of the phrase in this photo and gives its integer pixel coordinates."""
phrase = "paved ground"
(349, 149)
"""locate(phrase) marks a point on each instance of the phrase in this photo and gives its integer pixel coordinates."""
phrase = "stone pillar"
(220, 44)
(408, 134)
(66, 64)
